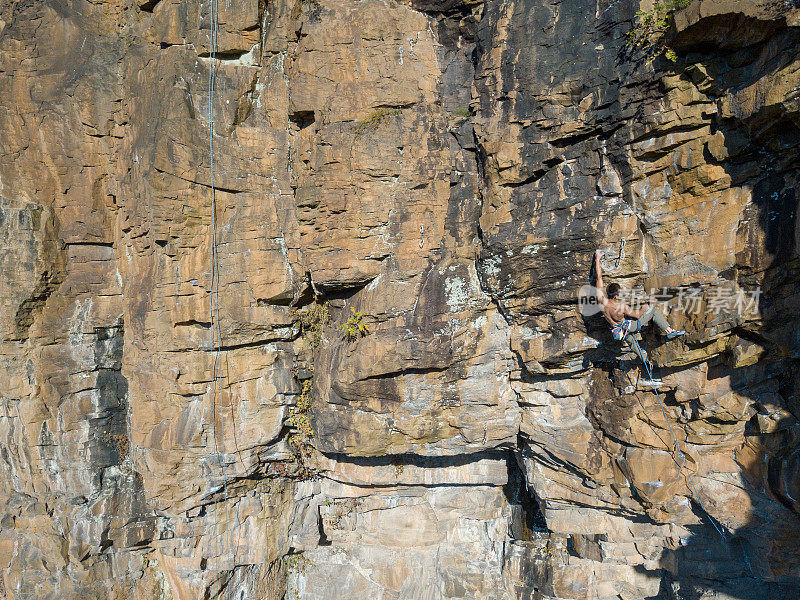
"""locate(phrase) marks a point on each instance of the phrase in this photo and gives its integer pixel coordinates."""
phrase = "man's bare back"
(615, 311)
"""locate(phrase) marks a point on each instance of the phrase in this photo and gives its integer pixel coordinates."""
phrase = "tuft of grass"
(461, 112)
(375, 120)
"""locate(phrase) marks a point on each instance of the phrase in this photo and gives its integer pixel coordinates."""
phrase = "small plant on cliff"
(314, 321)
(119, 442)
(302, 434)
(461, 112)
(375, 120)
(297, 563)
(354, 327)
(313, 6)
(647, 32)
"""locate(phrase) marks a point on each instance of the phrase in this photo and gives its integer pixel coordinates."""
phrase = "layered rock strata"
(440, 173)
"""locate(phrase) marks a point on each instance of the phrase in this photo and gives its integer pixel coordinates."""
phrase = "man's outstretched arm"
(600, 293)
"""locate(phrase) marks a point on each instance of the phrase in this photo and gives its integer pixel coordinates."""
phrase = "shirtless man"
(623, 319)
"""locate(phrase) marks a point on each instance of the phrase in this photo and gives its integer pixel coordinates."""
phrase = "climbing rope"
(681, 459)
(216, 333)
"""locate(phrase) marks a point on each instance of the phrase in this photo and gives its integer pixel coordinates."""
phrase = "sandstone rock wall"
(441, 171)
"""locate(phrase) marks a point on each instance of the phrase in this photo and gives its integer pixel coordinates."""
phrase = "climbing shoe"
(674, 334)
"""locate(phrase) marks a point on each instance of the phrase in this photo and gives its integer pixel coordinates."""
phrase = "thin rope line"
(682, 464)
(216, 333)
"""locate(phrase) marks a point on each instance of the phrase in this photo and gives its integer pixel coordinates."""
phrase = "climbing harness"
(621, 330)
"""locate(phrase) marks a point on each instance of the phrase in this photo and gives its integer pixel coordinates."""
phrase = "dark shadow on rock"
(527, 518)
(760, 149)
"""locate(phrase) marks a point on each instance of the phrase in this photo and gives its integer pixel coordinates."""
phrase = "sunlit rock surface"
(440, 172)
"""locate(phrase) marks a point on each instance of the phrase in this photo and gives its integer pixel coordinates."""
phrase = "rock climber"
(624, 321)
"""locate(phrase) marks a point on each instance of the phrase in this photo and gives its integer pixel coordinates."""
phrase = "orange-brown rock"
(288, 300)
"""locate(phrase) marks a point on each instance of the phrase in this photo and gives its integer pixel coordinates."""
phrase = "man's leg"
(646, 364)
(653, 314)
(637, 348)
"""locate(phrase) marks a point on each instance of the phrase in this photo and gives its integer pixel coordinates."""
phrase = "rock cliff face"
(439, 172)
